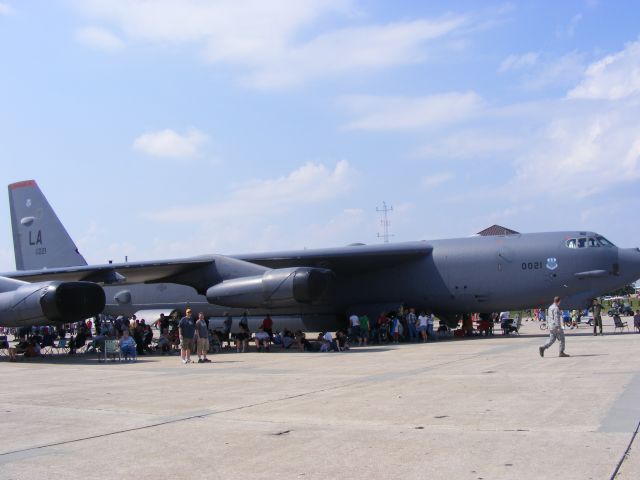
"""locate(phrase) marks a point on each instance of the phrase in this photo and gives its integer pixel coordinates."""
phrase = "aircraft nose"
(629, 261)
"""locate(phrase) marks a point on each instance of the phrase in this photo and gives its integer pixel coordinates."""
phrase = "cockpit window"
(604, 242)
(588, 242)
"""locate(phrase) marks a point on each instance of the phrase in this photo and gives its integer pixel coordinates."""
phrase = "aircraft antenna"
(384, 221)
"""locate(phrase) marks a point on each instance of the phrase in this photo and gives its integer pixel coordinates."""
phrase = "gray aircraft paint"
(449, 277)
(44, 303)
(39, 238)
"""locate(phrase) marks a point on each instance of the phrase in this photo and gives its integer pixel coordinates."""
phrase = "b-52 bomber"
(311, 289)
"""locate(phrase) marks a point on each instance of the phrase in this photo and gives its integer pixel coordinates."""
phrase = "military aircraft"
(310, 289)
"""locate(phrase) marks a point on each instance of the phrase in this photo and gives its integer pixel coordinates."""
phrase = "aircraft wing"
(203, 272)
(130, 272)
(345, 260)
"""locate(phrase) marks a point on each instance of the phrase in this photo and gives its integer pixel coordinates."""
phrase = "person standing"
(228, 322)
(556, 328)
(267, 326)
(597, 316)
(187, 330)
(364, 330)
(244, 321)
(430, 333)
(422, 326)
(354, 320)
(411, 325)
(202, 331)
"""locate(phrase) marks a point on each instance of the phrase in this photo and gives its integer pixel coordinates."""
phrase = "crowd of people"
(194, 336)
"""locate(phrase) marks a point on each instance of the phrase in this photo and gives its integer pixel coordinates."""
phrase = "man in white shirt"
(556, 328)
(330, 343)
(422, 326)
(355, 327)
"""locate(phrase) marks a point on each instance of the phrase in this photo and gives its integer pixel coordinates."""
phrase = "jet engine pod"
(280, 287)
(51, 302)
(73, 301)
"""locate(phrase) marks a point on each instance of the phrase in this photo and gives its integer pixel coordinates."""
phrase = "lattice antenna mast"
(384, 221)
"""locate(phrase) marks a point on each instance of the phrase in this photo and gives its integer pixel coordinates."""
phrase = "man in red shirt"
(267, 326)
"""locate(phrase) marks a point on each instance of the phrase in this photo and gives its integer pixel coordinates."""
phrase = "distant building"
(497, 231)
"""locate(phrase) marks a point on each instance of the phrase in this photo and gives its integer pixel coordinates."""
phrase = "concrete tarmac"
(482, 408)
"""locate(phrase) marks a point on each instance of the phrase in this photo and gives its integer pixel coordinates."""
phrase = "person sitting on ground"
(128, 346)
(301, 340)
(342, 340)
(329, 344)
(33, 349)
(20, 347)
(81, 337)
(72, 345)
(262, 340)
(288, 339)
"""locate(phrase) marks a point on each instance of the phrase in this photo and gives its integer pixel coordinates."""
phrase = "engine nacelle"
(50, 303)
(275, 288)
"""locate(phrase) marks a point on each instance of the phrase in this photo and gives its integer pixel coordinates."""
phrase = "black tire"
(591, 323)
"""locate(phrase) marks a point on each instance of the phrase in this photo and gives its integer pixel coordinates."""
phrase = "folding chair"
(47, 348)
(62, 345)
(111, 349)
(619, 324)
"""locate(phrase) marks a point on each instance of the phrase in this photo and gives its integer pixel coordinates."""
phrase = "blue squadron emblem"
(552, 263)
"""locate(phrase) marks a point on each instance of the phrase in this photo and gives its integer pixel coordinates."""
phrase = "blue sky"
(181, 127)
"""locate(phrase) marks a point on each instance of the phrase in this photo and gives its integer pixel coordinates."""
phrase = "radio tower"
(384, 221)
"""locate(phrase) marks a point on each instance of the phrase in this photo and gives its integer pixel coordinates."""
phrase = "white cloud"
(573, 24)
(99, 38)
(612, 78)
(560, 72)
(437, 179)
(168, 143)
(351, 49)
(266, 39)
(398, 113)
(593, 146)
(310, 184)
(584, 153)
(5, 9)
(515, 62)
(471, 144)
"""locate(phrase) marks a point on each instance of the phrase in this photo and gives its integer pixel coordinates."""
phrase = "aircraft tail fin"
(39, 238)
